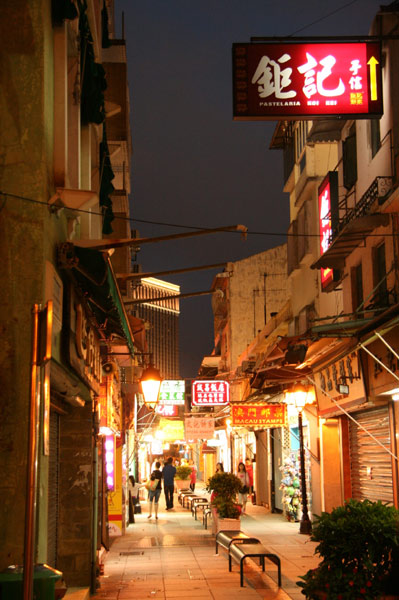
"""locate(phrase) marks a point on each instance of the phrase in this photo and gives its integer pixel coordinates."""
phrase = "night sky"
(193, 166)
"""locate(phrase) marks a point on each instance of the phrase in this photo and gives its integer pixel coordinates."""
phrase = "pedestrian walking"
(243, 493)
(193, 474)
(250, 470)
(168, 474)
(134, 501)
(154, 490)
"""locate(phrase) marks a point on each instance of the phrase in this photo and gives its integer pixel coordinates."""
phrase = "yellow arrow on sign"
(373, 62)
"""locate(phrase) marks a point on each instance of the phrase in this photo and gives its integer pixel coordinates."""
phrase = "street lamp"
(150, 385)
(299, 397)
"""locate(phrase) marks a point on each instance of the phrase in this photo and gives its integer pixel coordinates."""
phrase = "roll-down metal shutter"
(371, 468)
(53, 490)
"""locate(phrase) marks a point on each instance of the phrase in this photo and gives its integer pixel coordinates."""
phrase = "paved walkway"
(174, 559)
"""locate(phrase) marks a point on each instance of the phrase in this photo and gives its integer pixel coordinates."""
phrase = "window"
(349, 156)
(380, 277)
(301, 132)
(357, 287)
(292, 247)
(375, 136)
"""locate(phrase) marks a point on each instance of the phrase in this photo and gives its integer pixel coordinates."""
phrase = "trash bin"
(47, 583)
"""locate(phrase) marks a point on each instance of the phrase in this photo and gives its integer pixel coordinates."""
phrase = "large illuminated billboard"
(306, 79)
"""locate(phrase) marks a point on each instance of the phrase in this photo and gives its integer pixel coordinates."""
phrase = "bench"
(226, 538)
(205, 514)
(182, 494)
(187, 498)
(240, 552)
(197, 503)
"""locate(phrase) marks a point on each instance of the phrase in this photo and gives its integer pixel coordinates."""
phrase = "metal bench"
(182, 494)
(205, 514)
(187, 499)
(197, 503)
(240, 552)
(226, 538)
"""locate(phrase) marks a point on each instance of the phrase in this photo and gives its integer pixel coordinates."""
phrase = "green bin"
(47, 583)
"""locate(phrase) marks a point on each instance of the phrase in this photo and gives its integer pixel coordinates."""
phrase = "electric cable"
(179, 225)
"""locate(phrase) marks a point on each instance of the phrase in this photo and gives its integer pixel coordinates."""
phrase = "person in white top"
(243, 493)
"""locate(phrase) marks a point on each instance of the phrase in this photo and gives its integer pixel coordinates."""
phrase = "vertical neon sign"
(328, 219)
(110, 461)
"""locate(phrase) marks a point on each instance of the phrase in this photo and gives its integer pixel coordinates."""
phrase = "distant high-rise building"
(163, 322)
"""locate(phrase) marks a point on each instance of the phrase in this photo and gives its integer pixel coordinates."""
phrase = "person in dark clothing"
(153, 495)
(168, 475)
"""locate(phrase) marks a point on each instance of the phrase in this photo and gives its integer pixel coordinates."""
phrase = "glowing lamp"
(150, 386)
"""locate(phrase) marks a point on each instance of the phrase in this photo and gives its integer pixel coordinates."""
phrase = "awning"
(93, 275)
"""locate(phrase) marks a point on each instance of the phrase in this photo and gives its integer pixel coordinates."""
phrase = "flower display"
(290, 485)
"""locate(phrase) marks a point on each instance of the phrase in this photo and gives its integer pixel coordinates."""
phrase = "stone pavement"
(174, 559)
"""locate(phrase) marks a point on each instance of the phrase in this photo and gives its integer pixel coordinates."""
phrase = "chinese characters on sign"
(172, 392)
(166, 410)
(345, 372)
(199, 428)
(261, 415)
(306, 79)
(210, 393)
(328, 219)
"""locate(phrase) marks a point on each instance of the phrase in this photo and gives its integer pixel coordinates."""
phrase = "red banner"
(261, 415)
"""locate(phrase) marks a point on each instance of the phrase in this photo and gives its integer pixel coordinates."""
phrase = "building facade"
(62, 311)
(154, 301)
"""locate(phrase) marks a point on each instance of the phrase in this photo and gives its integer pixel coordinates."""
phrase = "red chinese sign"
(328, 218)
(166, 410)
(210, 393)
(261, 415)
(306, 80)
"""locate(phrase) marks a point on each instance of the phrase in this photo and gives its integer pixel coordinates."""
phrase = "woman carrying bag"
(243, 493)
(154, 488)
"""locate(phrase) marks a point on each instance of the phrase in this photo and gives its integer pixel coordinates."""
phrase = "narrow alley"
(175, 558)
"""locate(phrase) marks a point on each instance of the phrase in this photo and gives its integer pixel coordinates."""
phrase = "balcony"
(356, 223)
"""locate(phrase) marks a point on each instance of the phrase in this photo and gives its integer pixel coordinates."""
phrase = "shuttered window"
(371, 468)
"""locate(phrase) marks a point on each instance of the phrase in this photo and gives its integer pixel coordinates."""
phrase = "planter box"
(227, 524)
(182, 484)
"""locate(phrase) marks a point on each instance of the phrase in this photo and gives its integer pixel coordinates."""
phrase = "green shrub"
(359, 546)
(183, 472)
(226, 485)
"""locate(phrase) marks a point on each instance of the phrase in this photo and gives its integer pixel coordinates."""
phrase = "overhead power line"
(179, 225)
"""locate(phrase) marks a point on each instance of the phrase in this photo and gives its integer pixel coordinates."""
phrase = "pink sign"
(307, 79)
(210, 393)
(199, 428)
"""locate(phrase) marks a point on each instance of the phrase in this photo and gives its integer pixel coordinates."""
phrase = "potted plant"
(359, 547)
(226, 512)
(182, 476)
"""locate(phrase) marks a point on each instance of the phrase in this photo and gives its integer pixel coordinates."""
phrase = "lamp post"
(305, 526)
(299, 397)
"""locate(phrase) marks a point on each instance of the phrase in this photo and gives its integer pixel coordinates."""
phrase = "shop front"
(357, 426)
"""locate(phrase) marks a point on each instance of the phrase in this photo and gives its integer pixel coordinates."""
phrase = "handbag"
(244, 489)
(152, 485)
